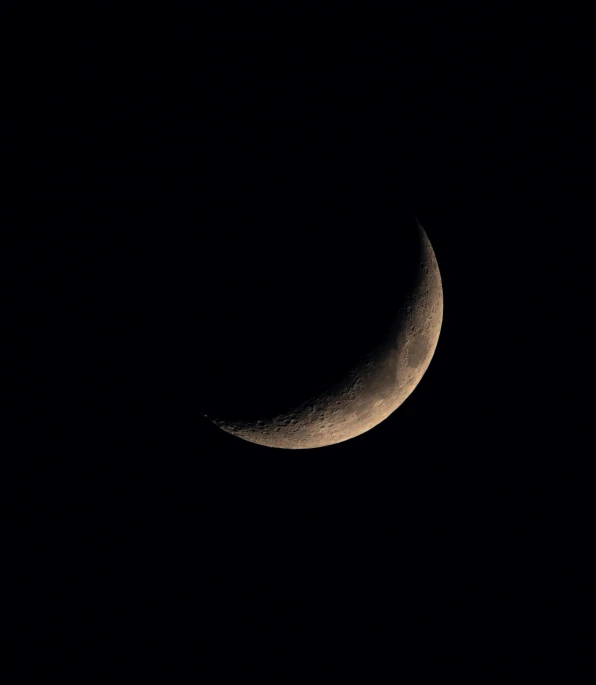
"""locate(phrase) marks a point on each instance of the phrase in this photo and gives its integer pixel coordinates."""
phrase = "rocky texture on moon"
(375, 386)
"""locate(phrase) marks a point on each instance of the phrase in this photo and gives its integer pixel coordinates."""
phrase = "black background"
(180, 182)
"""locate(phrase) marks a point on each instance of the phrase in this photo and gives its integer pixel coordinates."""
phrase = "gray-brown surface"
(372, 389)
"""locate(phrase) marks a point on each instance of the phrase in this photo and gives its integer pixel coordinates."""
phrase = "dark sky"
(183, 185)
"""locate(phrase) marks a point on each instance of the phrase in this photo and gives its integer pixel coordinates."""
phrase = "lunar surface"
(375, 385)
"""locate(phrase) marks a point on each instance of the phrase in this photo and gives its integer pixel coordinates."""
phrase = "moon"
(374, 386)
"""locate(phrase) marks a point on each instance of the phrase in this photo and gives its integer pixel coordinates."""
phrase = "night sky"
(187, 187)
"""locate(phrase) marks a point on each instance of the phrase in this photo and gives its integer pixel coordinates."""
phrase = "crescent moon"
(376, 386)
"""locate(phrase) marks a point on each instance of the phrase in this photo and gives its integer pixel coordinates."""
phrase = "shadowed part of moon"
(375, 379)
